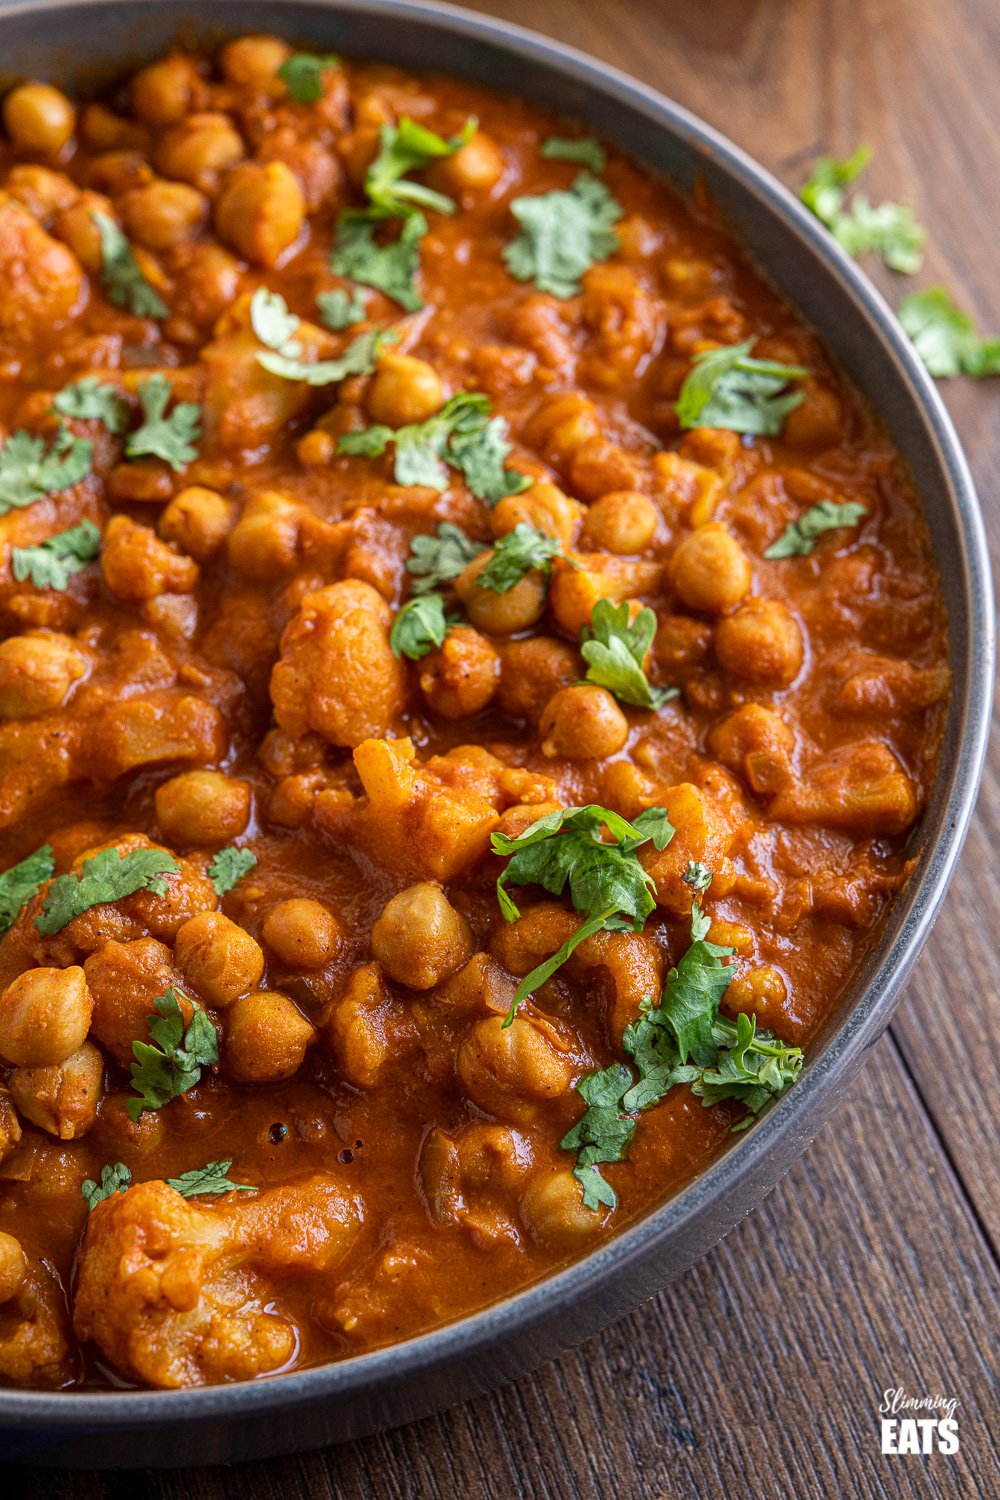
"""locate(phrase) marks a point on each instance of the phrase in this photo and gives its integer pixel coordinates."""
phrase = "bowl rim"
(861, 1026)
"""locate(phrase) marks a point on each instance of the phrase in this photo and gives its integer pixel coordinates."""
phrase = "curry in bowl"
(469, 671)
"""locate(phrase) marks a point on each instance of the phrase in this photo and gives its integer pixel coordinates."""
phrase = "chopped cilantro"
(114, 1179)
(582, 149)
(434, 560)
(21, 882)
(946, 338)
(824, 191)
(607, 883)
(517, 553)
(105, 877)
(420, 626)
(562, 235)
(697, 876)
(49, 564)
(338, 310)
(359, 358)
(121, 276)
(172, 1063)
(90, 400)
(229, 867)
(273, 324)
(302, 75)
(799, 537)
(390, 268)
(409, 147)
(211, 1179)
(28, 472)
(726, 388)
(170, 438)
(614, 648)
(889, 229)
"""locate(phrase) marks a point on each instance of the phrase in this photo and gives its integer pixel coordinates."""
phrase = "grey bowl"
(79, 42)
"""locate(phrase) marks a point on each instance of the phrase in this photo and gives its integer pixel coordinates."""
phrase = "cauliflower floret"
(179, 1294)
(34, 1333)
(41, 281)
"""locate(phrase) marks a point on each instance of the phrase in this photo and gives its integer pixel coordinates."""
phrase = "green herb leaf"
(302, 75)
(614, 649)
(337, 310)
(420, 626)
(170, 438)
(409, 147)
(697, 876)
(435, 560)
(28, 472)
(273, 324)
(603, 1132)
(946, 338)
(91, 401)
(562, 235)
(359, 358)
(517, 553)
(114, 1179)
(889, 229)
(726, 388)
(121, 277)
(799, 537)
(105, 877)
(693, 990)
(50, 563)
(750, 1065)
(212, 1178)
(826, 188)
(172, 1063)
(21, 882)
(582, 149)
(229, 867)
(390, 268)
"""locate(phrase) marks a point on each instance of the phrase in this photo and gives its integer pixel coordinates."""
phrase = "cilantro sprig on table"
(462, 435)
(170, 438)
(172, 1063)
(50, 564)
(800, 537)
(420, 626)
(29, 471)
(562, 235)
(121, 274)
(889, 229)
(607, 883)
(614, 648)
(21, 882)
(581, 149)
(92, 400)
(201, 1182)
(946, 338)
(105, 877)
(439, 559)
(229, 867)
(727, 388)
(302, 75)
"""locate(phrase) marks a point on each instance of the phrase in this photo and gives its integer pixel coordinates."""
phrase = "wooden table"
(874, 1263)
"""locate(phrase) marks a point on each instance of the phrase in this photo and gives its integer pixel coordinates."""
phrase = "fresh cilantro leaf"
(28, 472)
(420, 626)
(606, 881)
(582, 149)
(389, 268)
(337, 310)
(91, 401)
(172, 1063)
(726, 388)
(750, 1065)
(946, 338)
(615, 648)
(562, 235)
(21, 882)
(105, 877)
(302, 75)
(409, 147)
(826, 188)
(889, 229)
(603, 1132)
(114, 1179)
(359, 358)
(462, 435)
(170, 438)
(517, 553)
(273, 324)
(229, 867)
(50, 563)
(692, 992)
(697, 876)
(121, 276)
(799, 537)
(435, 560)
(212, 1178)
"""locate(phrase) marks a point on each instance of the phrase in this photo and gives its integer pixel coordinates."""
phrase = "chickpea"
(44, 1016)
(357, 150)
(461, 677)
(264, 541)
(162, 214)
(218, 958)
(302, 933)
(138, 567)
(760, 642)
(761, 991)
(532, 671)
(261, 211)
(266, 1038)
(555, 1213)
(253, 61)
(622, 522)
(501, 614)
(543, 506)
(315, 449)
(404, 390)
(62, 1098)
(13, 1267)
(475, 167)
(75, 226)
(163, 92)
(582, 722)
(39, 117)
(420, 938)
(197, 521)
(42, 191)
(37, 672)
(507, 1071)
(709, 571)
(202, 807)
(199, 148)
(817, 421)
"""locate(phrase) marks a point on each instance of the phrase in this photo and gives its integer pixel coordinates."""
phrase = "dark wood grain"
(760, 1372)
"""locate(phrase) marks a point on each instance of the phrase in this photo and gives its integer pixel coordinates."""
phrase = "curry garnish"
(29, 471)
(229, 867)
(339, 309)
(517, 553)
(800, 537)
(581, 149)
(439, 559)
(172, 1063)
(359, 358)
(92, 400)
(104, 877)
(170, 438)
(615, 646)
(50, 564)
(390, 267)
(302, 75)
(727, 388)
(115, 1178)
(562, 235)
(21, 882)
(272, 322)
(420, 626)
(889, 229)
(209, 1181)
(122, 276)
(946, 338)
(409, 147)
